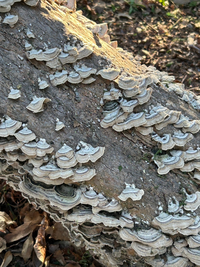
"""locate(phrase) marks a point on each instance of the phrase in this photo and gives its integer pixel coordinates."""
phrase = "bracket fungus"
(11, 20)
(42, 84)
(25, 135)
(14, 94)
(36, 104)
(9, 127)
(131, 192)
(88, 153)
(59, 125)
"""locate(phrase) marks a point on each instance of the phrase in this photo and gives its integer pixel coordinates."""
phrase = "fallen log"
(105, 145)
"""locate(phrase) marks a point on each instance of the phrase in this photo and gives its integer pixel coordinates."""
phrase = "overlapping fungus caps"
(25, 135)
(9, 127)
(40, 148)
(151, 237)
(88, 153)
(172, 223)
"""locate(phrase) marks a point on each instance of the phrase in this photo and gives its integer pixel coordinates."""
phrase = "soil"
(166, 37)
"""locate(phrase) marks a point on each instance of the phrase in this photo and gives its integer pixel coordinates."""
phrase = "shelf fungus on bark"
(25, 135)
(172, 223)
(80, 214)
(152, 237)
(113, 94)
(109, 74)
(172, 117)
(30, 34)
(128, 106)
(192, 201)
(144, 130)
(66, 58)
(59, 125)
(192, 127)
(131, 192)
(46, 55)
(111, 206)
(52, 171)
(82, 174)
(133, 120)
(31, 2)
(147, 251)
(156, 115)
(11, 20)
(144, 96)
(193, 241)
(59, 77)
(182, 138)
(84, 51)
(14, 94)
(9, 127)
(39, 149)
(166, 163)
(74, 77)
(65, 162)
(42, 84)
(166, 141)
(193, 254)
(87, 152)
(84, 71)
(37, 103)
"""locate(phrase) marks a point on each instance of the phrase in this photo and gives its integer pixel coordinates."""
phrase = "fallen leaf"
(58, 232)
(40, 244)
(72, 264)
(7, 259)
(58, 254)
(27, 248)
(20, 232)
(2, 244)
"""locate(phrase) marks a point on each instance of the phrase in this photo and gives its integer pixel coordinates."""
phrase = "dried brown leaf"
(40, 244)
(7, 259)
(27, 248)
(58, 254)
(20, 232)
(58, 232)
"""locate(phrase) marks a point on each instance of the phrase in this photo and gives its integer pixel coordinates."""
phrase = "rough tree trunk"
(129, 155)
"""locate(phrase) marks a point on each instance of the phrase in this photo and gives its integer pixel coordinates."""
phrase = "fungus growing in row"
(172, 117)
(74, 77)
(40, 149)
(144, 96)
(192, 201)
(131, 192)
(37, 103)
(66, 151)
(84, 51)
(151, 237)
(166, 141)
(11, 20)
(128, 106)
(133, 120)
(166, 163)
(25, 135)
(111, 206)
(14, 93)
(88, 153)
(82, 174)
(172, 223)
(182, 138)
(84, 71)
(146, 251)
(59, 77)
(66, 58)
(9, 127)
(109, 74)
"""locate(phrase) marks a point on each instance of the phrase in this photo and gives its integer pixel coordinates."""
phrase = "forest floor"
(167, 37)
